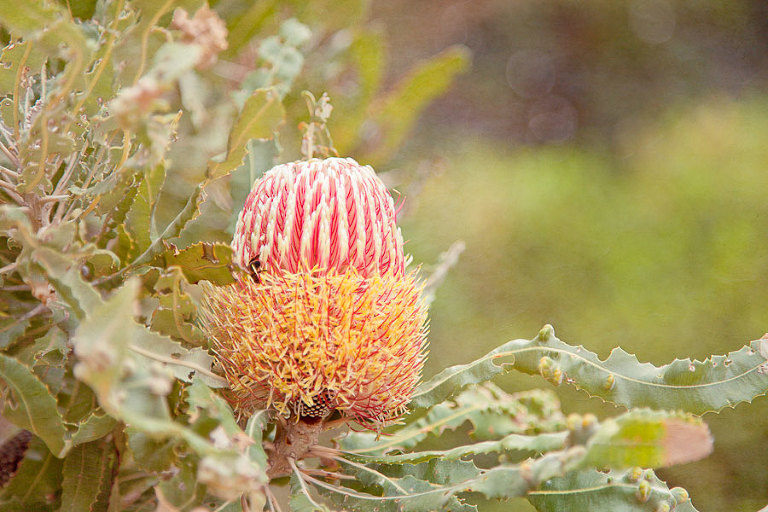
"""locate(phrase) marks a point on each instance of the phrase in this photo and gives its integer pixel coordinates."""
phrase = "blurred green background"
(606, 164)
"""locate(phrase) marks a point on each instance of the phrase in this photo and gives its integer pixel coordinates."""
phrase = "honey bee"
(253, 268)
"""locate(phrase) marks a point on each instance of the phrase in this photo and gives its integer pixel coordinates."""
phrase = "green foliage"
(522, 463)
(87, 472)
(117, 130)
(697, 387)
(129, 137)
(31, 406)
(621, 491)
(260, 116)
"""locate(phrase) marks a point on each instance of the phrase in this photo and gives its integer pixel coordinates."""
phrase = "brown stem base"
(293, 439)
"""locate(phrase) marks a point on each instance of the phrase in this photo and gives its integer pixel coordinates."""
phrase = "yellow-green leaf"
(262, 114)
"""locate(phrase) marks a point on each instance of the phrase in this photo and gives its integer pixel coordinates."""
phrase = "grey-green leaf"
(692, 386)
(96, 426)
(201, 261)
(87, 470)
(31, 406)
(492, 412)
(255, 430)
(592, 491)
(64, 275)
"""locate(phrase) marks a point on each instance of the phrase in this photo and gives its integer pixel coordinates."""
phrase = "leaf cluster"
(120, 123)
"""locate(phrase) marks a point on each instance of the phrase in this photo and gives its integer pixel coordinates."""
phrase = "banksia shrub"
(328, 319)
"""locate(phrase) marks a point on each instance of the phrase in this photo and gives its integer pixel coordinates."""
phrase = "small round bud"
(643, 491)
(680, 495)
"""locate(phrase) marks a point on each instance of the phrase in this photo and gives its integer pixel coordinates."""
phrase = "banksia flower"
(329, 320)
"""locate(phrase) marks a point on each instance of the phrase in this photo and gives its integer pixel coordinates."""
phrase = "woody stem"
(293, 440)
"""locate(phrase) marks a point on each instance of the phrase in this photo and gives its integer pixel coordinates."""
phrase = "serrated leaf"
(511, 443)
(32, 407)
(491, 411)
(98, 337)
(417, 496)
(52, 29)
(110, 347)
(97, 84)
(201, 261)
(95, 426)
(13, 323)
(47, 358)
(649, 439)
(139, 221)
(510, 481)
(410, 480)
(101, 262)
(87, 470)
(692, 386)
(435, 471)
(176, 322)
(80, 403)
(190, 210)
(102, 344)
(116, 195)
(506, 481)
(199, 396)
(593, 491)
(135, 47)
(185, 364)
(640, 437)
(50, 349)
(262, 113)
(175, 312)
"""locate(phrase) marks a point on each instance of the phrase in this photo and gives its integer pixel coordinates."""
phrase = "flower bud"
(330, 214)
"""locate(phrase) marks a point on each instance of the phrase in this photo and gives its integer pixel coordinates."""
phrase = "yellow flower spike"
(314, 342)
